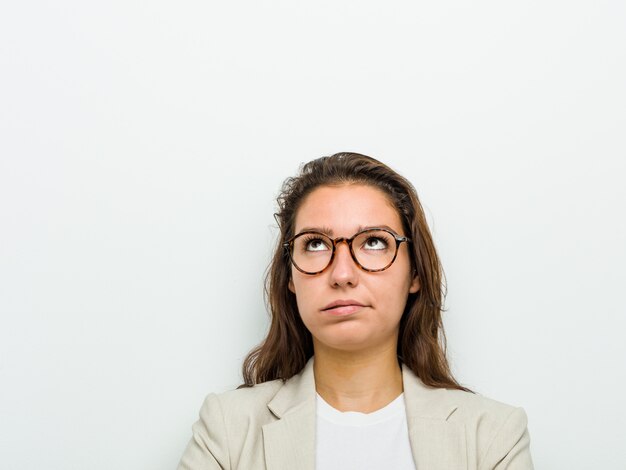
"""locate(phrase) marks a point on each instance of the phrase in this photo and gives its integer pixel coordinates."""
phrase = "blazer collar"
(290, 441)
(436, 442)
(296, 392)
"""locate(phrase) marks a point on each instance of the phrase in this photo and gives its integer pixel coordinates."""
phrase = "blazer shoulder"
(477, 404)
(498, 430)
(248, 399)
(484, 414)
(225, 421)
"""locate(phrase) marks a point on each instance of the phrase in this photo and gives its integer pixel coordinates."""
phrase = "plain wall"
(137, 139)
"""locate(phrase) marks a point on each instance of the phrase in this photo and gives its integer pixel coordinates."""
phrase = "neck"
(357, 381)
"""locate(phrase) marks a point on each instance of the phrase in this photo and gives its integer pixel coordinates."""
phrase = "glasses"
(373, 250)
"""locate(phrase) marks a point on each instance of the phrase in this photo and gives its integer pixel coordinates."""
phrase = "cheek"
(305, 292)
(393, 295)
(393, 303)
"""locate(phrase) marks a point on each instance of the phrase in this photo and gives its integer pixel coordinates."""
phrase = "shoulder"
(243, 402)
(227, 421)
(474, 406)
(454, 405)
(496, 431)
(265, 402)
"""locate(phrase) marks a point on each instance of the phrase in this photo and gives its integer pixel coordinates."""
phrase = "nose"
(344, 270)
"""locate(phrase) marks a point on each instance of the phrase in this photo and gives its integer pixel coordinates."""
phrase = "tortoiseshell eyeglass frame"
(288, 245)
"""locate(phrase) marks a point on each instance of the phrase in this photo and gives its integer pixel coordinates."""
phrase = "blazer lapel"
(436, 443)
(290, 441)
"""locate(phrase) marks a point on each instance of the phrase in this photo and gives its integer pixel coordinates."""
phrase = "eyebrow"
(329, 231)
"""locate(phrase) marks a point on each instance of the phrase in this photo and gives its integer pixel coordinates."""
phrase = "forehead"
(347, 208)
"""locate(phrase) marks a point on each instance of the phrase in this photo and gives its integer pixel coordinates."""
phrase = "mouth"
(343, 307)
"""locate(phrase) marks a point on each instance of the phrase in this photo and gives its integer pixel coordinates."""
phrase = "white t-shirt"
(363, 441)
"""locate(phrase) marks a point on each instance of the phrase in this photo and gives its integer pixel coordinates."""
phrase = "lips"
(343, 307)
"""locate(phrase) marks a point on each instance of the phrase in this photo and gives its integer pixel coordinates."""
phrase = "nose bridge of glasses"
(348, 243)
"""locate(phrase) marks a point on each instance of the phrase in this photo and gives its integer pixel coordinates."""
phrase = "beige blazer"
(271, 426)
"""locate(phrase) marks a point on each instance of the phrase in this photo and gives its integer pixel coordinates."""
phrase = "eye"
(375, 243)
(315, 244)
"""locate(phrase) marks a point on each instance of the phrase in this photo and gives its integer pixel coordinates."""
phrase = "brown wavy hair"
(421, 341)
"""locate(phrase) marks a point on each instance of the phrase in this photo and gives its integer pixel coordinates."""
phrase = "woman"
(353, 372)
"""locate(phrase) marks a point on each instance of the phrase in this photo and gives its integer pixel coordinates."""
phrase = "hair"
(421, 341)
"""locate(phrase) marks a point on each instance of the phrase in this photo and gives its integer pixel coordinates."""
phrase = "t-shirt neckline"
(357, 418)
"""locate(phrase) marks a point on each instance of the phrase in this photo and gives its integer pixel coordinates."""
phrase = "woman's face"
(382, 295)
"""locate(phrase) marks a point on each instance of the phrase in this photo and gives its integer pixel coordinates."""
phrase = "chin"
(348, 343)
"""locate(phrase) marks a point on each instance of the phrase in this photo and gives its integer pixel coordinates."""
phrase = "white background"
(139, 138)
